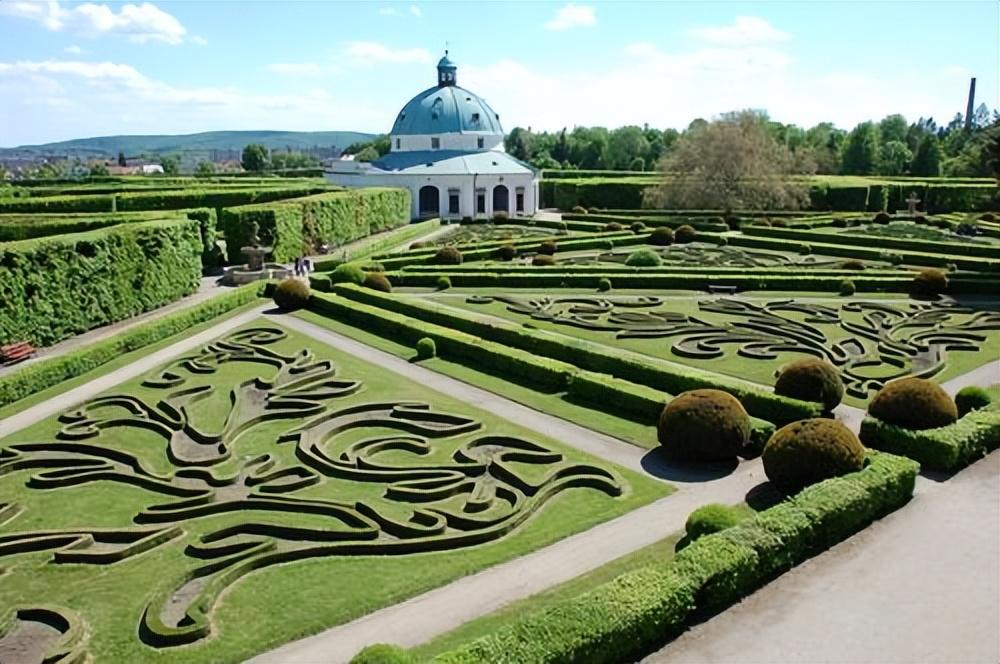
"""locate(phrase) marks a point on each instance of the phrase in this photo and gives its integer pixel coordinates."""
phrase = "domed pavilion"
(446, 147)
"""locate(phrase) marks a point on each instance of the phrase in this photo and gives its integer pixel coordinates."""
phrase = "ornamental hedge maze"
(220, 480)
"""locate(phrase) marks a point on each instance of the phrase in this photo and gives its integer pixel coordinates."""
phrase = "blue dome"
(447, 109)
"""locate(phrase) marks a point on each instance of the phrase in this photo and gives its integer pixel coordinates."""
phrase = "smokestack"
(972, 101)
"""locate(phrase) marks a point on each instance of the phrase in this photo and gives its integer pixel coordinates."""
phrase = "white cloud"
(415, 10)
(140, 23)
(366, 53)
(199, 40)
(388, 11)
(74, 50)
(572, 16)
(295, 68)
(745, 30)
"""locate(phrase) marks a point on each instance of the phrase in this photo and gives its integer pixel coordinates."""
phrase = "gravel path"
(921, 585)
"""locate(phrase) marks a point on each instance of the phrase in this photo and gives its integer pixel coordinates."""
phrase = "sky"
(73, 70)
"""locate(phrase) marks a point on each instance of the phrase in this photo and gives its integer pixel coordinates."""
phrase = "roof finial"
(446, 49)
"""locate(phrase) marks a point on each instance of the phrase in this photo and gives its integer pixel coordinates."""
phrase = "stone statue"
(254, 234)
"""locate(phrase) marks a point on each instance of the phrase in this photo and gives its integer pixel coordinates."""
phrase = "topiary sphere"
(703, 425)
(811, 379)
(929, 281)
(685, 234)
(643, 258)
(506, 252)
(847, 287)
(989, 216)
(426, 348)
(852, 264)
(613, 226)
(662, 236)
(711, 518)
(913, 403)
(604, 284)
(543, 260)
(548, 247)
(421, 245)
(810, 451)
(970, 398)
(779, 223)
(500, 215)
(443, 283)
(761, 222)
(579, 209)
(638, 227)
(349, 273)
(378, 281)
(882, 218)
(382, 653)
(448, 256)
(291, 294)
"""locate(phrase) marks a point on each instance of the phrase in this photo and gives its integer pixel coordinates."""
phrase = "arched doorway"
(501, 198)
(429, 201)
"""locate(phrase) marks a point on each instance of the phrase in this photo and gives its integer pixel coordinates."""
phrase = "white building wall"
(449, 141)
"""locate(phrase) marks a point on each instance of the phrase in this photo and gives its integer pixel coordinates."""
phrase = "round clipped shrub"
(847, 287)
(442, 283)
(913, 403)
(419, 244)
(661, 237)
(685, 234)
(448, 256)
(382, 653)
(811, 379)
(643, 258)
(579, 209)
(853, 264)
(721, 241)
(779, 223)
(761, 222)
(920, 219)
(989, 216)
(882, 218)
(805, 249)
(972, 397)
(426, 348)
(613, 226)
(506, 252)
(378, 281)
(500, 215)
(732, 221)
(543, 260)
(291, 294)
(711, 518)
(349, 273)
(929, 281)
(604, 284)
(895, 259)
(703, 425)
(637, 227)
(548, 247)
(809, 451)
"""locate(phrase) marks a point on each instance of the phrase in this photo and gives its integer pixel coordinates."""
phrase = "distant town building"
(446, 147)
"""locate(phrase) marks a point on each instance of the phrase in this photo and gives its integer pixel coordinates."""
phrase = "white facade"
(446, 147)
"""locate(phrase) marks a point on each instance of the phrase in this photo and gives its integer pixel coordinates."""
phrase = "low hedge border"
(946, 448)
(633, 367)
(599, 391)
(625, 617)
(879, 241)
(43, 374)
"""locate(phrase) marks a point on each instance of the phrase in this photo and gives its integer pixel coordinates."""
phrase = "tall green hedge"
(53, 288)
(333, 218)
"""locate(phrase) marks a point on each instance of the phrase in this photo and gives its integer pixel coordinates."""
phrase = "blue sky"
(69, 70)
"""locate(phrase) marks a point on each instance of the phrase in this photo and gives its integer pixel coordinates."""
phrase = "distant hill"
(209, 140)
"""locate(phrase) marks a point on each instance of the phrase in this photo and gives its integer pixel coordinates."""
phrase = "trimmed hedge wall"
(15, 227)
(633, 367)
(53, 288)
(333, 218)
(945, 448)
(879, 241)
(623, 618)
(43, 374)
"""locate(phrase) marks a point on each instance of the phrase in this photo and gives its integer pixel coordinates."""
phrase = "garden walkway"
(921, 585)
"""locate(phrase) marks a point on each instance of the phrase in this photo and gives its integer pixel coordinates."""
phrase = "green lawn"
(282, 602)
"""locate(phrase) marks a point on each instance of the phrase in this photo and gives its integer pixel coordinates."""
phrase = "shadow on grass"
(659, 464)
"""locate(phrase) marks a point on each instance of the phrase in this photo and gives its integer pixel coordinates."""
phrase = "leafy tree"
(204, 169)
(560, 151)
(637, 164)
(731, 163)
(588, 147)
(283, 160)
(98, 170)
(518, 143)
(255, 158)
(624, 144)
(894, 158)
(892, 128)
(544, 160)
(121, 159)
(369, 153)
(927, 161)
(171, 164)
(860, 151)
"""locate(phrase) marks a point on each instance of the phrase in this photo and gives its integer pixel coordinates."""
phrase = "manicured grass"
(282, 602)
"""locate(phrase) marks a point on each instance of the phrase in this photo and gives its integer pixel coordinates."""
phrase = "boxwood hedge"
(946, 448)
(53, 288)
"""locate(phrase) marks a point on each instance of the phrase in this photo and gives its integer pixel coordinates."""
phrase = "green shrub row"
(945, 448)
(880, 241)
(699, 223)
(43, 374)
(599, 391)
(620, 269)
(53, 288)
(21, 226)
(623, 364)
(624, 618)
(333, 218)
